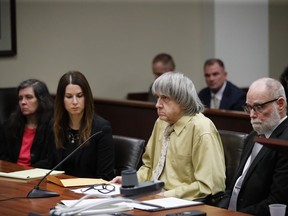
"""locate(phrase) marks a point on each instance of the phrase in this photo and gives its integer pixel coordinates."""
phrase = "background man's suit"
(233, 97)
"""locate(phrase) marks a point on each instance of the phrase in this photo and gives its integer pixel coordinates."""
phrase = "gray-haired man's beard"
(266, 127)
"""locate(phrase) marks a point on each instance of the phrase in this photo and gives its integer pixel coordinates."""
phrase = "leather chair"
(128, 153)
(8, 102)
(233, 145)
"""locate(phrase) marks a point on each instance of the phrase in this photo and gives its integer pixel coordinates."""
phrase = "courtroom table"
(41, 206)
(136, 118)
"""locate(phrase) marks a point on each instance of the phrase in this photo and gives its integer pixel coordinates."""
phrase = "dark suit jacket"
(233, 97)
(266, 180)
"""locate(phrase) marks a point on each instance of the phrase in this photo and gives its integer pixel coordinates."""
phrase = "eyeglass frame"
(257, 107)
(103, 190)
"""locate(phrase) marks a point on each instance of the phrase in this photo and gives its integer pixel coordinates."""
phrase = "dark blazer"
(95, 159)
(233, 97)
(11, 142)
(266, 180)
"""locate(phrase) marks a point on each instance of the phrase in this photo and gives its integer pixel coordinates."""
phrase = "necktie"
(233, 200)
(159, 168)
(215, 102)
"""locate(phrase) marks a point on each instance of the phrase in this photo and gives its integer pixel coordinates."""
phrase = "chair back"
(8, 102)
(128, 153)
(233, 145)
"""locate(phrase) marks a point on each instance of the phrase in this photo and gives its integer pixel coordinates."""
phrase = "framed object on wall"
(8, 28)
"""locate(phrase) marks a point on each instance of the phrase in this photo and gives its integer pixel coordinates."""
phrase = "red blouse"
(27, 140)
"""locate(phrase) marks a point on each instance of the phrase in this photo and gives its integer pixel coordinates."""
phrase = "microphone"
(38, 193)
(132, 188)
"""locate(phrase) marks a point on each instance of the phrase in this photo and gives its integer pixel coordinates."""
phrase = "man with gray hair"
(262, 175)
(185, 149)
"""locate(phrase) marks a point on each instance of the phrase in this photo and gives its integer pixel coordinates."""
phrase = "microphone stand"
(38, 193)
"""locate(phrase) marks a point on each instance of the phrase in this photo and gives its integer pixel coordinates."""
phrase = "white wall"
(241, 39)
(111, 42)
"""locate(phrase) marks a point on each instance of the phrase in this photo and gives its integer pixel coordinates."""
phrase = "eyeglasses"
(101, 188)
(256, 107)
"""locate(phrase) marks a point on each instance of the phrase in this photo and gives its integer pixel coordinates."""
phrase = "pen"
(152, 205)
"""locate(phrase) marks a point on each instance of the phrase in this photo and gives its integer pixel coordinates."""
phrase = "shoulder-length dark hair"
(44, 111)
(61, 117)
(44, 99)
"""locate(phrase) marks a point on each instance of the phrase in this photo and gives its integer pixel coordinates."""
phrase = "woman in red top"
(27, 134)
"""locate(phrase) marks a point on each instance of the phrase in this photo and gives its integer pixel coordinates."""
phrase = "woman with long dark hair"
(74, 122)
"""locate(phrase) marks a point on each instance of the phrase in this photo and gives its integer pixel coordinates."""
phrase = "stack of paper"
(149, 205)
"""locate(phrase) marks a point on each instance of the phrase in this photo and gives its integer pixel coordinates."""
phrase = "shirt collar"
(219, 94)
(181, 123)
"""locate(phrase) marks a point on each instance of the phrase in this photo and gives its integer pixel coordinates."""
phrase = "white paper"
(84, 202)
(165, 203)
(92, 206)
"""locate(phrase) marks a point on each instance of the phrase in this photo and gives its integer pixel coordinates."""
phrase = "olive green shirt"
(195, 163)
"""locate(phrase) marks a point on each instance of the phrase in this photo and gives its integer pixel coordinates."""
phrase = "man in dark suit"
(220, 93)
(262, 177)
